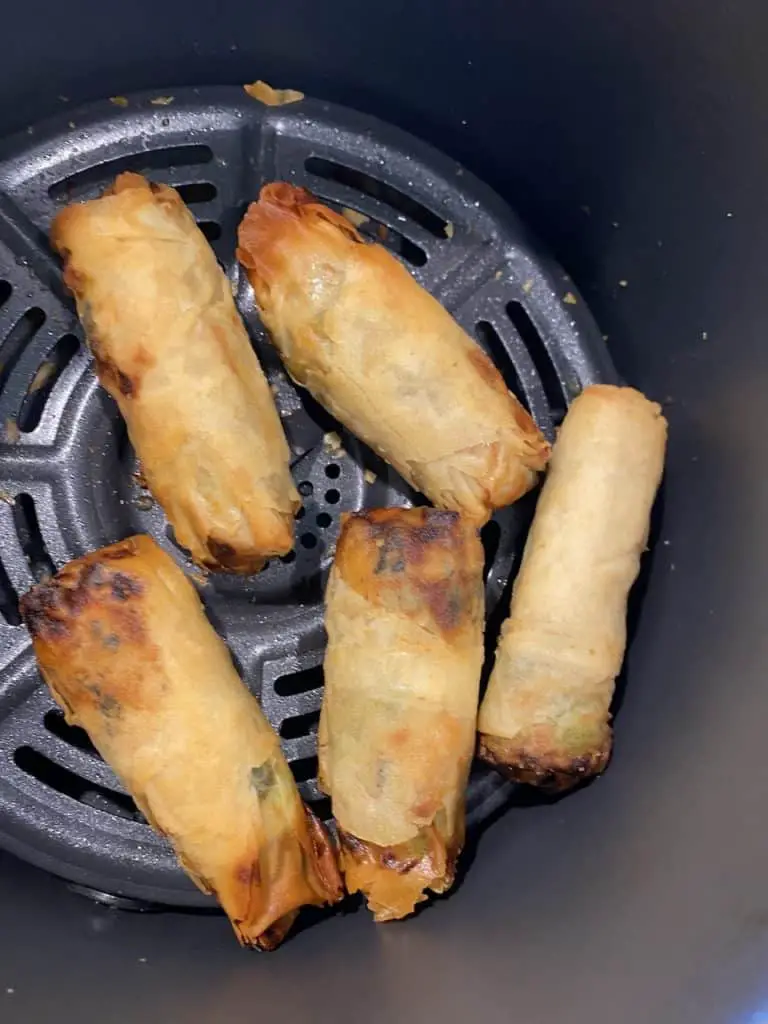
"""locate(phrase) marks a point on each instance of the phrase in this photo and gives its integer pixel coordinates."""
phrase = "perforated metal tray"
(67, 472)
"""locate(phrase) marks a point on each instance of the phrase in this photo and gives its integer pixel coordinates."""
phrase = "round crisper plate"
(68, 481)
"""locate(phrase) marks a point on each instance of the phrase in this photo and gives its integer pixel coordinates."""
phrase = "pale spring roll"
(404, 615)
(545, 718)
(171, 349)
(378, 351)
(123, 643)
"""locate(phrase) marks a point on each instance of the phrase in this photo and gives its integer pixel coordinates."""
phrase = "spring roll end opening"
(553, 773)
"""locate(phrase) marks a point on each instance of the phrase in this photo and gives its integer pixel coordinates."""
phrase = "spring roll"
(385, 358)
(545, 718)
(404, 615)
(126, 650)
(171, 349)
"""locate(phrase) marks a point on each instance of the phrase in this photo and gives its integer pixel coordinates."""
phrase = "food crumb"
(118, 101)
(264, 92)
(729, 214)
(199, 576)
(354, 217)
(570, 298)
(12, 432)
(46, 370)
(623, 283)
(332, 443)
(448, 229)
(71, 124)
(614, 223)
(10, 991)
(142, 959)
(527, 286)
(605, 337)
(369, 476)
(161, 101)
(704, 336)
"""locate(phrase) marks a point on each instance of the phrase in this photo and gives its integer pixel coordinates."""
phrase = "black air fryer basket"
(68, 477)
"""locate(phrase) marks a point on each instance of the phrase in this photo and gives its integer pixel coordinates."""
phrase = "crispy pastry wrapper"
(171, 349)
(404, 615)
(123, 643)
(545, 717)
(385, 358)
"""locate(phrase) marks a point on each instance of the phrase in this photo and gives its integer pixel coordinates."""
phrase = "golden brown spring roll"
(545, 718)
(171, 349)
(123, 643)
(385, 358)
(404, 615)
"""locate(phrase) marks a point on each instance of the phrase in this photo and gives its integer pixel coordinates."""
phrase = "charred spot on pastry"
(223, 553)
(391, 559)
(124, 587)
(263, 779)
(106, 704)
(125, 384)
(40, 609)
(555, 775)
(445, 602)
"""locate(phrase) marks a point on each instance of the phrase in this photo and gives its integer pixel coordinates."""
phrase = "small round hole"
(305, 488)
(308, 540)
(287, 559)
(301, 513)
(333, 472)
(332, 496)
(323, 520)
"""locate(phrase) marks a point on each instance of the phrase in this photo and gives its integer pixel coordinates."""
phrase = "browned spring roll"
(171, 349)
(123, 643)
(545, 718)
(404, 614)
(385, 358)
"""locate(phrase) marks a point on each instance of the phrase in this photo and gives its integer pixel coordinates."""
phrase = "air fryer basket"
(68, 478)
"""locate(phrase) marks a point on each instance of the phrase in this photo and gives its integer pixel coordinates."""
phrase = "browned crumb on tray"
(264, 92)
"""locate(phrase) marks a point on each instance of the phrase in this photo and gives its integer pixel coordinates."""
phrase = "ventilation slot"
(489, 338)
(93, 179)
(393, 240)
(210, 229)
(490, 535)
(44, 382)
(50, 774)
(537, 350)
(31, 538)
(76, 737)
(320, 807)
(299, 682)
(300, 725)
(197, 192)
(9, 599)
(362, 182)
(20, 335)
(304, 768)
